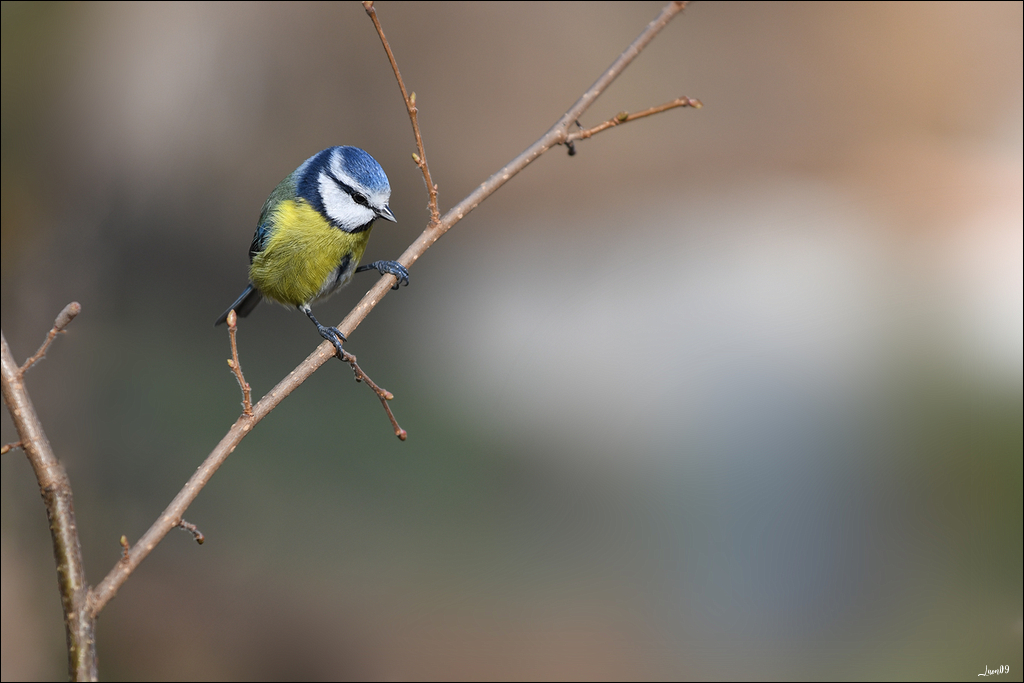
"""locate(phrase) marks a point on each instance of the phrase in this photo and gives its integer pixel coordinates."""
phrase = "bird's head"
(347, 186)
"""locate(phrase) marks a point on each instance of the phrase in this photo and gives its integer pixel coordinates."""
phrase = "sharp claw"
(334, 335)
(331, 334)
(389, 268)
(398, 270)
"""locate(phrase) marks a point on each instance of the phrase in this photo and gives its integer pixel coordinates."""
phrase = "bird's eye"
(351, 192)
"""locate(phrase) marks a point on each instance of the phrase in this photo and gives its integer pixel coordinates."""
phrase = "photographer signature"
(1004, 669)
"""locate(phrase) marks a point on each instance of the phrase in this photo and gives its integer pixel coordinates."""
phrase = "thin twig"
(419, 158)
(558, 134)
(236, 366)
(8, 447)
(192, 529)
(64, 319)
(80, 627)
(625, 117)
(383, 394)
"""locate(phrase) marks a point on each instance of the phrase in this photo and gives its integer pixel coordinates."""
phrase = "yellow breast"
(298, 264)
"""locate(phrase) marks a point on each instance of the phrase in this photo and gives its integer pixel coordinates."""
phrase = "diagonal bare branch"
(556, 135)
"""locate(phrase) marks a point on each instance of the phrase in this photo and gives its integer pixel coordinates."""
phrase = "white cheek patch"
(340, 207)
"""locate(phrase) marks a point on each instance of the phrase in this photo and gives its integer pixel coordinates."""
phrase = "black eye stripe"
(356, 196)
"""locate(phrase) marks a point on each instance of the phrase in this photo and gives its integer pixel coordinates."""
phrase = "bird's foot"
(331, 334)
(388, 268)
(334, 335)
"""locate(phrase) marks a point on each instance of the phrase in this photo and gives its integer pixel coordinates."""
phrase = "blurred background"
(731, 392)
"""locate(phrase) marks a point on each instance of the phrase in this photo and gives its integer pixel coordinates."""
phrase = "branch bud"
(65, 317)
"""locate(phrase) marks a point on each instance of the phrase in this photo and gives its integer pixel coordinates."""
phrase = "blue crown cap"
(364, 168)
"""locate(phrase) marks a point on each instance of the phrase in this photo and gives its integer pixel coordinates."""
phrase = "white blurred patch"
(982, 268)
(622, 335)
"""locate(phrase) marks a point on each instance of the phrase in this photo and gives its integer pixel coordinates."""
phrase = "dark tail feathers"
(243, 306)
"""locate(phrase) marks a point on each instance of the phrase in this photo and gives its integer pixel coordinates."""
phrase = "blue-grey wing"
(259, 240)
(284, 191)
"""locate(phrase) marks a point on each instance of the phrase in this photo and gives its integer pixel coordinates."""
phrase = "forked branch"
(558, 134)
(60, 510)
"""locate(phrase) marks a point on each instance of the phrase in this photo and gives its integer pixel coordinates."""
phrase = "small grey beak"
(386, 214)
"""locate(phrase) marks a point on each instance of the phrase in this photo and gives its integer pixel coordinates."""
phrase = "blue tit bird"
(312, 232)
